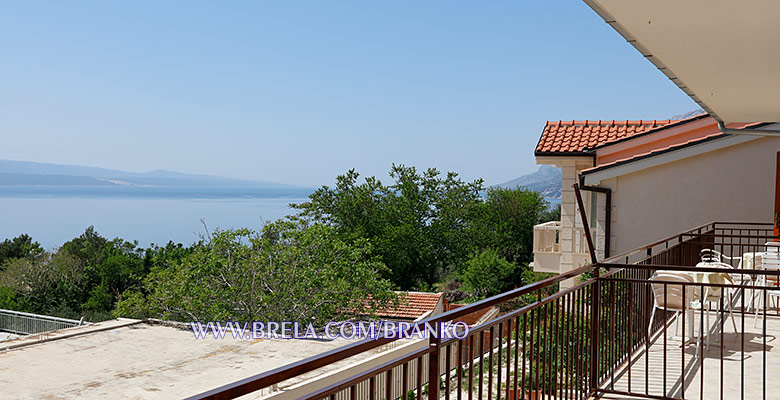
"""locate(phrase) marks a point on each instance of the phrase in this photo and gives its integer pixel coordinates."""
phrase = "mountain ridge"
(546, 180)
(29, 173)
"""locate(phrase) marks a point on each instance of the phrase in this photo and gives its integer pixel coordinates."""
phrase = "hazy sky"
(298, 92)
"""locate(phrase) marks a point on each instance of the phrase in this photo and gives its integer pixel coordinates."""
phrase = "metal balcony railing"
(22, 323)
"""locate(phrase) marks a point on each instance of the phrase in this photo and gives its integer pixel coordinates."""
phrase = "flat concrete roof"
(124, 359)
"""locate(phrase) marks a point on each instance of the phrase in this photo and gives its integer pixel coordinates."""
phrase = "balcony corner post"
(595, 330)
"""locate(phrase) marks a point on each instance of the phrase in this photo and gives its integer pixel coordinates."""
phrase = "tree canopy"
(417, 224)
(292, 271)
(426, 226)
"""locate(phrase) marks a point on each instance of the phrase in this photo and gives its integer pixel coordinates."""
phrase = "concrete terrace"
(129, 359)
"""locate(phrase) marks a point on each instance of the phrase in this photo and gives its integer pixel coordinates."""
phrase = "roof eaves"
(585, 153)
(651, 131)
(653, 154)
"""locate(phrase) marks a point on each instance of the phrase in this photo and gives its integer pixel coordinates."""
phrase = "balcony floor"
(735, 359)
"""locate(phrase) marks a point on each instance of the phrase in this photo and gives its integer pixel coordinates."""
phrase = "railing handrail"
(43, 317)
(548, 225)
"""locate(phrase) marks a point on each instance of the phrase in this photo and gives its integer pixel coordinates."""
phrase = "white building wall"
(736, 183)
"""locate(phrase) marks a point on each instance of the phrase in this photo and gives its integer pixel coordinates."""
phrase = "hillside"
(546, 180)
(24, 173)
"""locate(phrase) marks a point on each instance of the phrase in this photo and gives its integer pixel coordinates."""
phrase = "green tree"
(43, 285)
(417, 225)
(292, 271)
(21, 246)
(488, 274)
(551, 214)
(111, 267)
(506, 223)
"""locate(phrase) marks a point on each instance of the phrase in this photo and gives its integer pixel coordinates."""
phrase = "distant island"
(24, 173)
(546, 180)
(25, 178)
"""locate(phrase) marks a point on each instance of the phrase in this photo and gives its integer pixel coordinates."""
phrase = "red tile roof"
(413, 305)
(577, 136)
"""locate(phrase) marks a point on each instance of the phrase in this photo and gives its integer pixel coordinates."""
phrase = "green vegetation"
(342, 255)
(292, 271)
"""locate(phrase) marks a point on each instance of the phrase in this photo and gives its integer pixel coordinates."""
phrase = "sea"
(52, 215)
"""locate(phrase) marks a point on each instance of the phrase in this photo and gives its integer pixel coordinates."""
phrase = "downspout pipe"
(747, 131)
(607, 212)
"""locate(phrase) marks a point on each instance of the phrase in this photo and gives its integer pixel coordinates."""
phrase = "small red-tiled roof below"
(578, 136)
(413, 305)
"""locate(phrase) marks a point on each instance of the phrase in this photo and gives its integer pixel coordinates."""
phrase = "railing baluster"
(389, 384)
(722, 343)
(500, 337)
(481, 361)
(682, 357)
(490, 364)
(742, 352)
(665, 320)
(471, 367)
(524, 356)
(509, 357)
(630, 346)
(404, 380)
(460, 370)
(702, 342)
(447, 368)
(418, 375)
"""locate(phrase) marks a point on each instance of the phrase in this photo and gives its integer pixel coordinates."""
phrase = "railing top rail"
(684, 268)
(549, 225)
(42, 317)
(741, 223)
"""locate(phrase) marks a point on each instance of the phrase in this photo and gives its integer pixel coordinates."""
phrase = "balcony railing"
(593, 338)
(547, 239)
(22, 323)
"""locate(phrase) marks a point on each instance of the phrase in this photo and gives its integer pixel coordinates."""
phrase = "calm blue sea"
(54, 215)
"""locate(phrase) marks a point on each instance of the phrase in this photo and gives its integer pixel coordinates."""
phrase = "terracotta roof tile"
(577, 136)
(413, 305)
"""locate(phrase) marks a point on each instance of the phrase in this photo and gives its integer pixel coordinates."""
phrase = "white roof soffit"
(725, 54)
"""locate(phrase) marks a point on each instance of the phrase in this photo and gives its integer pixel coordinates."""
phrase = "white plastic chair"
(711, 255)
(770, 261)
(712, 294)
(669, 297)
